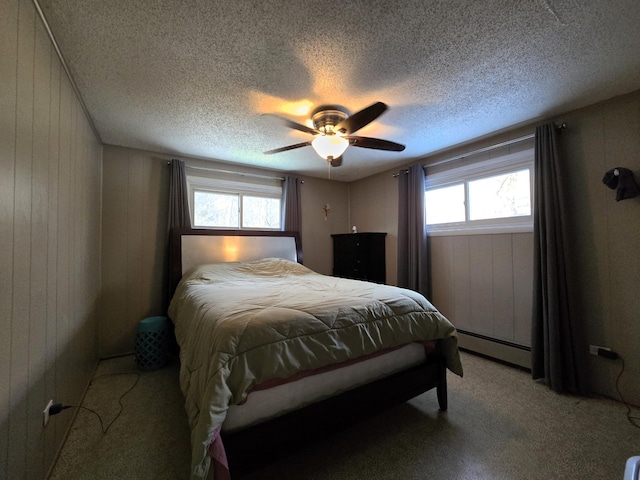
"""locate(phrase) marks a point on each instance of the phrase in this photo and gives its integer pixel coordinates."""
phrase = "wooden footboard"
(258, 445)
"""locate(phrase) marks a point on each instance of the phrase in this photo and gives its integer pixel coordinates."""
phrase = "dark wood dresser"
(360, 256)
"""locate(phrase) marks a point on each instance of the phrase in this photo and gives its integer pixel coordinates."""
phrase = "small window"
(231, 204)
(227, 210)
(493, 196)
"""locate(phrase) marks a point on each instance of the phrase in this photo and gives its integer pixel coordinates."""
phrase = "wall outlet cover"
(45, 413)
(593, 349)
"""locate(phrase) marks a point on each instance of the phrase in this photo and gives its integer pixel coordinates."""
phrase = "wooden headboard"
(193, 247)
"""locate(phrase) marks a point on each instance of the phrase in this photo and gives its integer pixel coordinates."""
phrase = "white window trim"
(214, 185)
(487, 168)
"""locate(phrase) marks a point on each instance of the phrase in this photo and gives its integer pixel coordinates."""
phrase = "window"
(500, 196)
(260, 212)
(488, 197)
(218, 203)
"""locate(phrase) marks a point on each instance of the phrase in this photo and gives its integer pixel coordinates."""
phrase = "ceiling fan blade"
(294, 125)
(336, 162)
(375, 143)
(361, 118)
(290, 147)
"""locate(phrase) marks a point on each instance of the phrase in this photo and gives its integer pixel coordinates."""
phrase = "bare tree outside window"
(260, 212)
(500, 196)
(216, 210)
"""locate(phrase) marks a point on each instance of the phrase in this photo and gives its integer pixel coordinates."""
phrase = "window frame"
(484, 169)
(226, 187)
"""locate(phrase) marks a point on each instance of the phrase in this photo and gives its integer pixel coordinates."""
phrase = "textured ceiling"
(192, 77)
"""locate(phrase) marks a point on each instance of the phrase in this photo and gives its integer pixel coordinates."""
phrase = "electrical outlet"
(593, 349)
(45, 413)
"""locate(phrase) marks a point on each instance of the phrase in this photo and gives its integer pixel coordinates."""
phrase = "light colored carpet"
(500, 425)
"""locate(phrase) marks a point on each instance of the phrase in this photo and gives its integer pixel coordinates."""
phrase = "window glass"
(218, 199)
(485, 197)
(500, 196)
(445, 205)
(213, 209)
(260, 212)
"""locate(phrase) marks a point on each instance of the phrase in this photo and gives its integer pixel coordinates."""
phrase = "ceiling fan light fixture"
(333, 132)
(330, 145)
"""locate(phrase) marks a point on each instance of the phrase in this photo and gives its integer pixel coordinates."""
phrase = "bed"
(274, 355)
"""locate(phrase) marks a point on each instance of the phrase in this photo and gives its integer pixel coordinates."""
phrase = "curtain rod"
(476, 152)
(482, 150)
(561, 126)
(231, 172)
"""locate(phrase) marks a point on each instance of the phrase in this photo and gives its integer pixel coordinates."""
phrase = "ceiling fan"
(333, 130)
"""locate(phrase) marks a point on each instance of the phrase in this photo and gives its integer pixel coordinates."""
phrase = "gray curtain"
(554, 354)
(291, 210)
(178, 197)
(412, 240)
(178, 214)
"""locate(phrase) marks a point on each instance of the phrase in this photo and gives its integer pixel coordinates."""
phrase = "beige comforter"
(240, 324)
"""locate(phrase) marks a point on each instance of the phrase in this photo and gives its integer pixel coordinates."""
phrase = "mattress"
(272, 402)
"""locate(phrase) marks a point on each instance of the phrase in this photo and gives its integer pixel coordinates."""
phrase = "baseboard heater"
(498, 349)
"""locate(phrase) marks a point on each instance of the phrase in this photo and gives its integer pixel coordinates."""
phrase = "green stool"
(152, 343)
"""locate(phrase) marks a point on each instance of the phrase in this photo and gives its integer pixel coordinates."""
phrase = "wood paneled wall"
(50, 197)
(483, 283)
(134, 244)
(605, 238)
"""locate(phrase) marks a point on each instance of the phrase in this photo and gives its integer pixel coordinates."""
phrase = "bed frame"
(255, 446)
